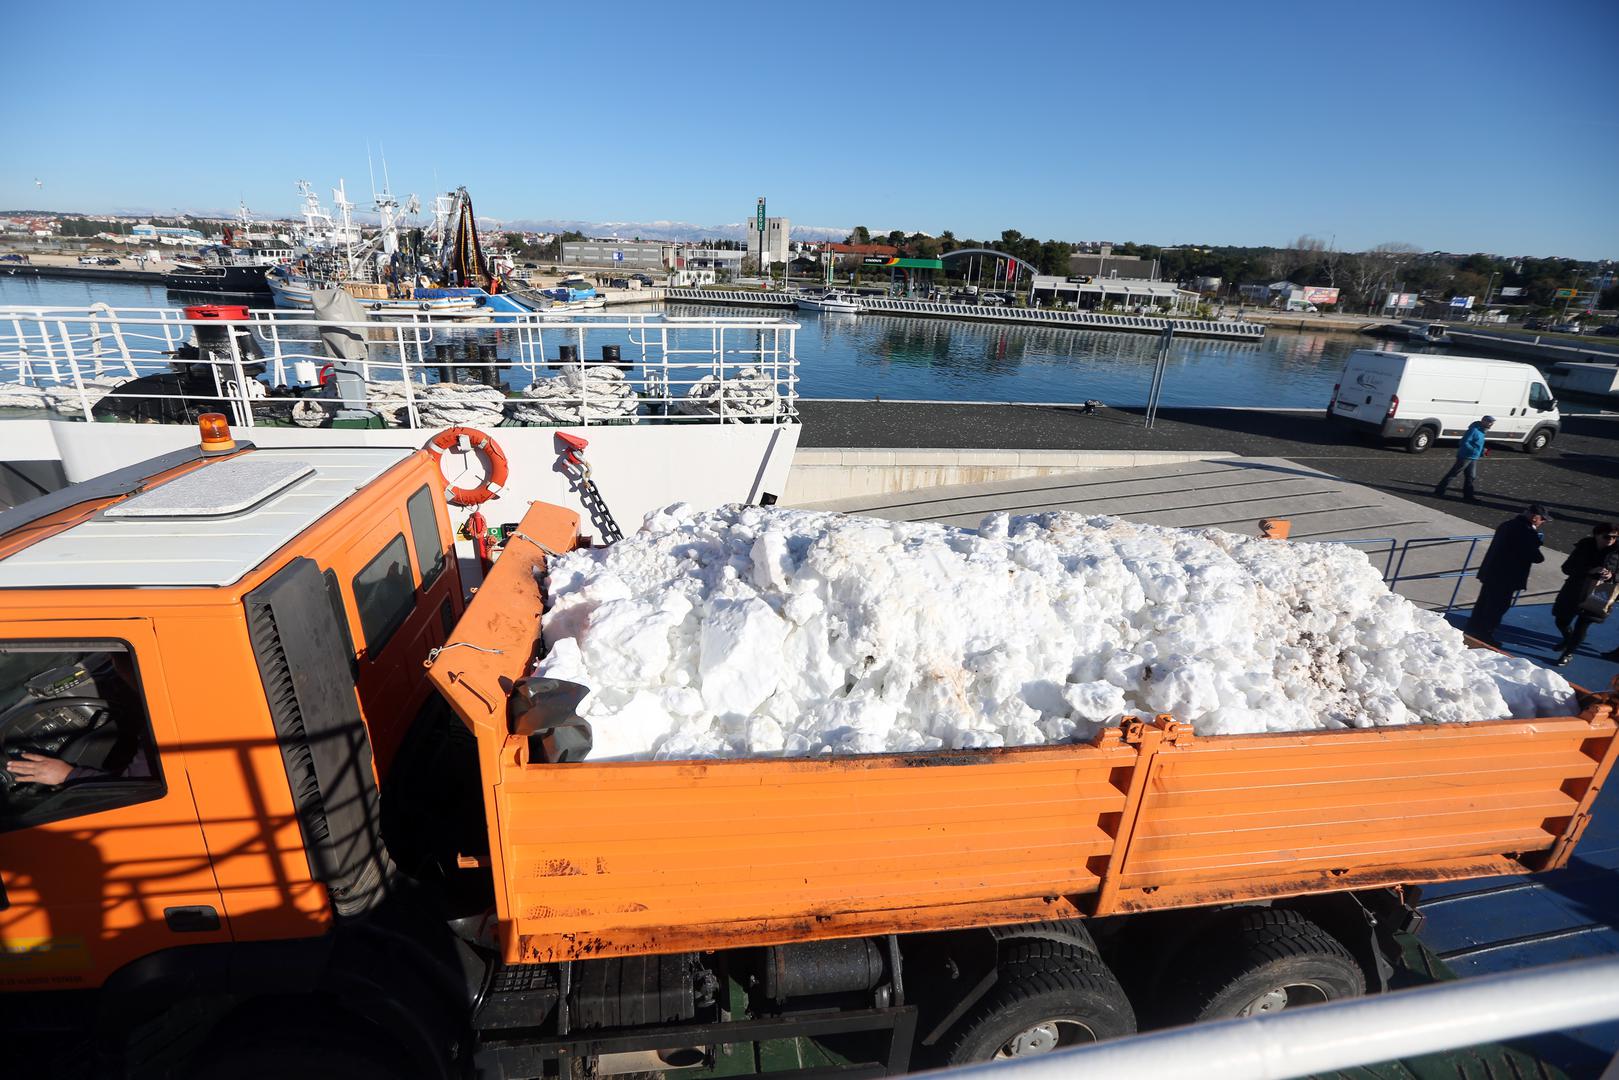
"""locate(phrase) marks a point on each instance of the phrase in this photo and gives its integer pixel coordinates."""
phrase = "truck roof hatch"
(204, 528)
(226, 488)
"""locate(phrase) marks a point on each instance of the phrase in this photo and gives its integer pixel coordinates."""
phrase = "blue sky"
(1461, 126)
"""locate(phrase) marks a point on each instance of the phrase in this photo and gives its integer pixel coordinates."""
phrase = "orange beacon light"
(216, 437)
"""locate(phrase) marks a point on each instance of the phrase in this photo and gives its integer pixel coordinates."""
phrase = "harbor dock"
(1232, 330)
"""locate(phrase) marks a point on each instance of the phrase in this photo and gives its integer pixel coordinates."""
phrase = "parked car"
(531, 266)
(619, 283)
(1534, 324)
(1566, 328)
(14, 258)
(1611, 330)
(644, 279)
(108, 260)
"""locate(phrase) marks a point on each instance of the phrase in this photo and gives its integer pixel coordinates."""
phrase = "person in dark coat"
(1594, 561)
(1505, 569)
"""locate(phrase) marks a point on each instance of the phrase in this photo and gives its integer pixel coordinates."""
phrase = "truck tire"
(1421, 439)
(1538, 440)
(1048, 996)
(1264, 960)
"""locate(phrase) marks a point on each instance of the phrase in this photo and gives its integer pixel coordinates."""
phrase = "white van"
(1420, 397)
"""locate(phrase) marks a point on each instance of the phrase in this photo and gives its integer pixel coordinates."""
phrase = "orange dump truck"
(274, 788)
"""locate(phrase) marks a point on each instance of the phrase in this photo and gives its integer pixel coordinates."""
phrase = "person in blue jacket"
(1467, 455)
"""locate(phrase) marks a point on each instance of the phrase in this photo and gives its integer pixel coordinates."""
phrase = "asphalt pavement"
(1577, 477)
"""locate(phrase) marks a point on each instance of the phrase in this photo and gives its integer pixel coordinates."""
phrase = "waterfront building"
(1087, 292)
(776, 249)
(148, 231)
(614, 254)
(1106, 264)
(711, 259)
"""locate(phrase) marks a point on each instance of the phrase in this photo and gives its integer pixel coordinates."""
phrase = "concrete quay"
(1229, 329)
(1550, 350)
(1577, 477)
(84, 273)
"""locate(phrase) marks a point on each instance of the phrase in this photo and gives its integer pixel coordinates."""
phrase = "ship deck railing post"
(73, 366)
(244, 406)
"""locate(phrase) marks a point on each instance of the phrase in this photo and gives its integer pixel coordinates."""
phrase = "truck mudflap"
(594, 859)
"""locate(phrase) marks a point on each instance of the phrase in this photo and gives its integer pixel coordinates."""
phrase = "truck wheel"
(1268, 959)
(1538, 440)
(1420, 440)
(1048, 996)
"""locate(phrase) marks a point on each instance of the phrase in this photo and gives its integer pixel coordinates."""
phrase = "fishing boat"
(828, 300)
(230, 270)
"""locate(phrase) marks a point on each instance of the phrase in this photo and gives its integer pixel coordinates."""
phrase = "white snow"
(751, 631)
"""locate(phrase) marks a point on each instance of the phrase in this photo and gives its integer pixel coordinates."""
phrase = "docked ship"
(228, 270)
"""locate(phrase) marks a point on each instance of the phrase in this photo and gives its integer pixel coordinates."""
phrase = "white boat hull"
(639, 468)
(834, 304)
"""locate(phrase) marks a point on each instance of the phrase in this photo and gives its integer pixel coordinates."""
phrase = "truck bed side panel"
(631, 857)
(1245, 817)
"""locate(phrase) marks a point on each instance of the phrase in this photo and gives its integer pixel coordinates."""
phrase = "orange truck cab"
(274, 787)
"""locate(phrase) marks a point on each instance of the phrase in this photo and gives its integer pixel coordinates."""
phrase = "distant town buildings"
(614, 254)
(776, 249)
(165, 233)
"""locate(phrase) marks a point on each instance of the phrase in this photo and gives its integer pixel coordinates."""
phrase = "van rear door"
(1367, 386)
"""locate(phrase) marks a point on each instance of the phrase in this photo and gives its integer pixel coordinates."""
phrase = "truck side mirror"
(545, 711)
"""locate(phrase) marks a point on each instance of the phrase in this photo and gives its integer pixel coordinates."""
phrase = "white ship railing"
(1320, 1039)
(745, 369)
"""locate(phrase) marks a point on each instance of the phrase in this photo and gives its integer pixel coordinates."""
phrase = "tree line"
(1363, 278)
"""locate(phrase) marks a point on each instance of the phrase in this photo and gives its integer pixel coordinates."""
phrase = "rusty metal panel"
(1251, 816)
(642, 857)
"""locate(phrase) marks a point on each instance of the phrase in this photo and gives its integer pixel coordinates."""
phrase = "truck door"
(406, 596)
(102, 858)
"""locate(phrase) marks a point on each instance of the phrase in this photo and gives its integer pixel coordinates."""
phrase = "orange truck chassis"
(311, 857)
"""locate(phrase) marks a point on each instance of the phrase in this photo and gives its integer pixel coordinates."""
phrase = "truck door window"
(424, 534)
(384, 592)
(1540, 399)
(74, 735)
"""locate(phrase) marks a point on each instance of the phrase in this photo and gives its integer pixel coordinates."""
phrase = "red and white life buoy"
(495, 478)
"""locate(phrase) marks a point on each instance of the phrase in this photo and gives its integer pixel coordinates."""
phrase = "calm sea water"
(863, 356)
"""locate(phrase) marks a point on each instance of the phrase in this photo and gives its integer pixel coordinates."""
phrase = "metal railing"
(1398, 549)
(78, 363)
(1325, 1038)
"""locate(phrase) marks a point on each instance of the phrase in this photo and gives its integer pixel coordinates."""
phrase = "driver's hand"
(39, 769)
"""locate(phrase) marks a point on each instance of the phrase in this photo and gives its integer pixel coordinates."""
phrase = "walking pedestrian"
(1505, 569)
(1583, 600)
(1467, 455)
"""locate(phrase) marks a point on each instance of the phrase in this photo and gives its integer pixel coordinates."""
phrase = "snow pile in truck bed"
(750, 631)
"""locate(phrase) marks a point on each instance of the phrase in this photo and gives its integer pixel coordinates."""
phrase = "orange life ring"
(492, 483)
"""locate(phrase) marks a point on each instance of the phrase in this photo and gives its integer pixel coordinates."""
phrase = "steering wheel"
(22, 726)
